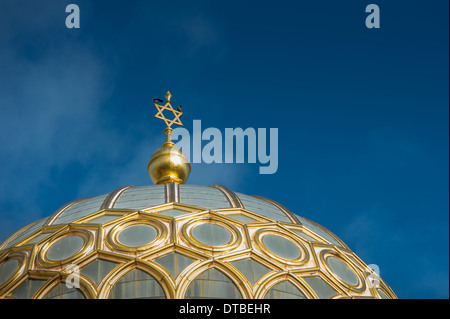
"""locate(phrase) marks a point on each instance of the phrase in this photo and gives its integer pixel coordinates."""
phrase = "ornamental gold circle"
(259, 236)
(235, 236)
(114, 242)
(21, 260)
(324, 257)
(88, 241)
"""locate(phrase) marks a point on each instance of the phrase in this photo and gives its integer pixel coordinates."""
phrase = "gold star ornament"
(167, 106)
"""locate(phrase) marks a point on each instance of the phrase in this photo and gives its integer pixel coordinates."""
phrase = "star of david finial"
(168, 106)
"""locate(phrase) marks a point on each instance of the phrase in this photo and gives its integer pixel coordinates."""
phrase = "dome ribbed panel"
(28, 231)
(81, 209)
(141, 197)
(203, 196)
(263, 208)
(321, 231)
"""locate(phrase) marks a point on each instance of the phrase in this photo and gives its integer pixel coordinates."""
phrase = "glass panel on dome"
(62, 292)
(281, 247)
(263, 208)
(34, 226)
(251, 269)
(243, 218)
(203, 196)
(319, 230)
(81, 209)
(211, 234)
(27, 289)
(284, 290)
(137, 284)
(212, 284)
(65, 248)
(137, 235)
(7, 269)
(39, 238)
(342, 271)
(141, 197)
(174, 263)
(97, 270)
(303, 235)
(104, 219)
(173, 212)
(320, 287)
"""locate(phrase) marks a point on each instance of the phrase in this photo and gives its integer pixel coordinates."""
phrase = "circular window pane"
(7, 269)
(65, 247)
(137, 235)
(211, 234)
(281, 247)
(342, 271)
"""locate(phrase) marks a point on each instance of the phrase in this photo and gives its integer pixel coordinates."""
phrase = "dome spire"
(168, 163)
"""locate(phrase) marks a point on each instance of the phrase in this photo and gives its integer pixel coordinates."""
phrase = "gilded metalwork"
(168, 106)
(303, 252)
(112, 197)
(148, 267)
(113, 234)
(337, 291)
(235, 236)
(326, 254)
(175, 235)
(88, 242)
(169, 163)
(231, 196)
(172, 192)
(21, 259)
(61, 210)
(234, 213)
(280, 277)
(212, 264)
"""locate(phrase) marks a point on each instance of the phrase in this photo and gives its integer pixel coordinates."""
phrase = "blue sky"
(362, 114)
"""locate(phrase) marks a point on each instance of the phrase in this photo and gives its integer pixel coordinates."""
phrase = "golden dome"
(180, 242)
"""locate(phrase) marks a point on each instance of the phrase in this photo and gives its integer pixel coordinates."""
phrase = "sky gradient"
(362, 114)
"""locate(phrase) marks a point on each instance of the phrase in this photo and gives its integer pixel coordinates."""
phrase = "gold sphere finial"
(168, 163)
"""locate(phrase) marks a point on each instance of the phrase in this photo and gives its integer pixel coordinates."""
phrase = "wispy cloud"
(52, 94)
(364, 229)
(202, 37)
(50, 101)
